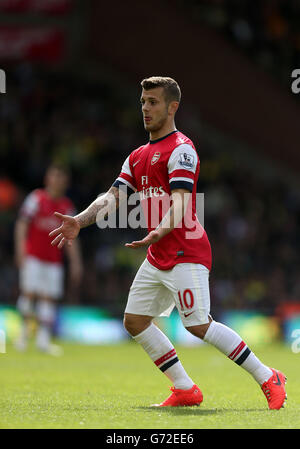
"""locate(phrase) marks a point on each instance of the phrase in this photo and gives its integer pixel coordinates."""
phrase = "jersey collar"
(162, 138)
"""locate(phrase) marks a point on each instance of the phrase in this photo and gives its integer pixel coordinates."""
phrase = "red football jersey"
(39, 208)
(154, 170)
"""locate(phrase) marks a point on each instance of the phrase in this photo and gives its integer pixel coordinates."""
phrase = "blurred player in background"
(176, 271)
(41, 270)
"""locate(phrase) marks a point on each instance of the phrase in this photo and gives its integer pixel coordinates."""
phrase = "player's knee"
(131, 324)
(25, 305)
(198, 331)
(135, 324)
(46, 311)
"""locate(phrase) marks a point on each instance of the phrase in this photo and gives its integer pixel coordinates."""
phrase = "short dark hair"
(60, 167)
(170, 86)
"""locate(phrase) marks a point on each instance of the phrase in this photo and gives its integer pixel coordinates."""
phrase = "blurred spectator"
(266, 30)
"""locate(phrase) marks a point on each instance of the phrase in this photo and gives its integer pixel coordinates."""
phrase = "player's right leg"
(25, 306)
(148, 298)
(28, 278)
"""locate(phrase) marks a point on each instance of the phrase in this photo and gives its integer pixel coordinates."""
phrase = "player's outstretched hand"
(152, 237)
(66, 233)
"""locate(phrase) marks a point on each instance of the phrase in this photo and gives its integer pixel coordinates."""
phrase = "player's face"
(56, 181)
(154, 108)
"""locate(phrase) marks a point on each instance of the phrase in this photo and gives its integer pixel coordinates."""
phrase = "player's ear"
(173, 106)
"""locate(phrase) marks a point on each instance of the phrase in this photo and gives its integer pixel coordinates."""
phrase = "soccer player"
(41, 270)
(176, 270)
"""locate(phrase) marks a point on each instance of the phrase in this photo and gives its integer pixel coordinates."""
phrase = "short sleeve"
(126, 177)
(182, 167)
(30, 206)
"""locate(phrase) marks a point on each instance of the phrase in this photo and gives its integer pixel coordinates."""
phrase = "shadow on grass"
(194, 411)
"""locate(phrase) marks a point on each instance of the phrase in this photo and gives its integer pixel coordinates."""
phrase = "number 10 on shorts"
(186, 300)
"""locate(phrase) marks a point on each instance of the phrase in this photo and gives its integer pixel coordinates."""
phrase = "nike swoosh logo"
(188, 314)
(278, 380)
(136, 163)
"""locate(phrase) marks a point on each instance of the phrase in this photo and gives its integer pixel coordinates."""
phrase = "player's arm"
(181, 170)
(102, 207)
(20, 233)
(27, 212)
(180, 199)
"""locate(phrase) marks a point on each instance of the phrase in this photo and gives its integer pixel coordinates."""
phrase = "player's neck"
(162, 132)
(53, 193)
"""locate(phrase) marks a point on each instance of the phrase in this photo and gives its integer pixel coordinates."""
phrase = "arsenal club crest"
(155, 158)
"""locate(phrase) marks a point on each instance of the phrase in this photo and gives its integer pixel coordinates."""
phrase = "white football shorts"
(42, 278)
(155, 292)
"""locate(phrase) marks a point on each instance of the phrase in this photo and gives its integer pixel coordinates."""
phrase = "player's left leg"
(50, 290)
(45, 312)
(272, 382)
(194, 305)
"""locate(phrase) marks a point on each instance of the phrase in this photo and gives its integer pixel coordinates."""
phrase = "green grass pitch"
(112, 387)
